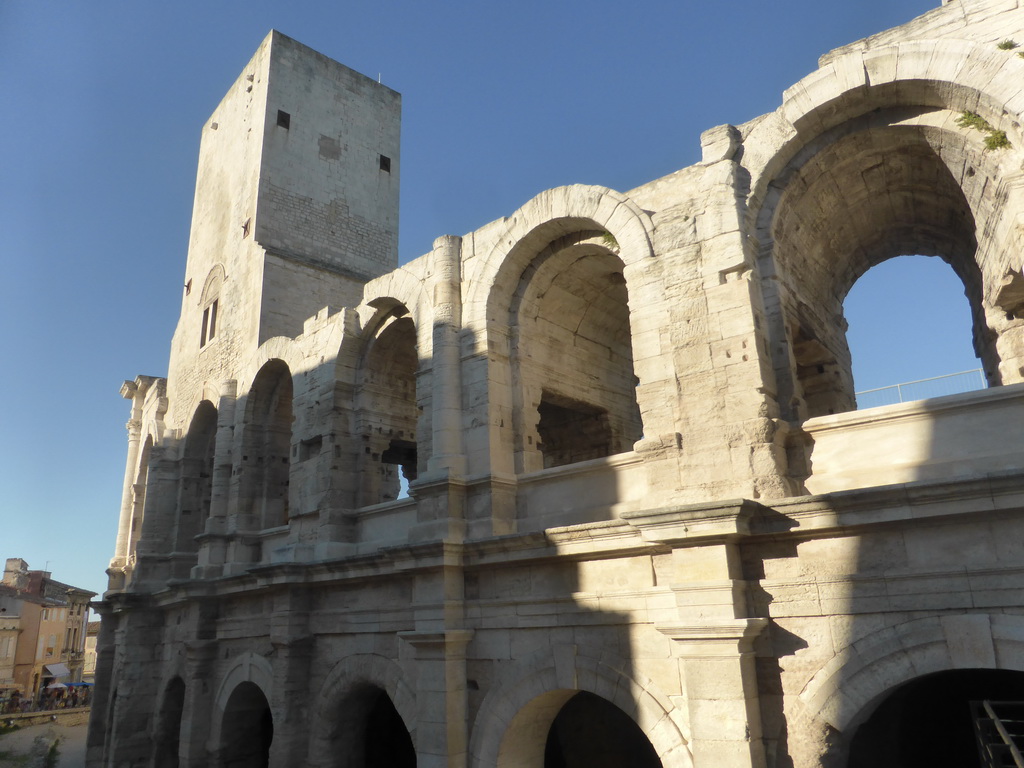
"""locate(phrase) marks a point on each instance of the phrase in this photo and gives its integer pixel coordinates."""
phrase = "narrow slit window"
(385, 163)
(284, 119)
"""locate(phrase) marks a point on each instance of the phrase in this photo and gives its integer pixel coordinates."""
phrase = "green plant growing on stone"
(995, 139)
(969, 119)
(1021, 54)
(1007, 45)
(609, 240)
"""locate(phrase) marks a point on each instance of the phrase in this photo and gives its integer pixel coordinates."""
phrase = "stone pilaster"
(721, 690)
(200, 656)
(442, 737)
(714, 631)
(292, 659)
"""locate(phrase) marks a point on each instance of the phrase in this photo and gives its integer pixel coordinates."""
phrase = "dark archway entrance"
(387, 742)
(926, 723)
(165, 745)
(590, 732)
(364, 730)
(247, 730)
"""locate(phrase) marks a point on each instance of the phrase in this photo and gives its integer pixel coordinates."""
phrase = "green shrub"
(995, 139)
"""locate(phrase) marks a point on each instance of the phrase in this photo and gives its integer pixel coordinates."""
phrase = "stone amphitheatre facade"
(645, 524)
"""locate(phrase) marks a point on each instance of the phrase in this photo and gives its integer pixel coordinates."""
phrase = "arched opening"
(892, 183)
(368, 732)
(590, 732)
(266, 446)
(168, 734)
(572, 729)
(209, 303)
(910, 333)
(574, 387)
(196, 488)
(387, 414)
(247, 729)
(928, 723)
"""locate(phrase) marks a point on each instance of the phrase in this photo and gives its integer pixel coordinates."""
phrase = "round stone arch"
(957, 74)
(167, 725)
(278, 348)
(400, 287)
(394, 415)
(244, 668)
(542, 246)
(212, 285)
(887, 114)
(849, 686)
(510, 729)
(548, 216)
(343, 688)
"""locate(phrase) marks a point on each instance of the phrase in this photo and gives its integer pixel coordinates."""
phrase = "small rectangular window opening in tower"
(385, 163)
(209, 329)
(284, 119)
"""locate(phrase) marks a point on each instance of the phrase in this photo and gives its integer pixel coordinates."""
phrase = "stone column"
(442, 739)
(213, 540)
(447, 453)
(129, 391)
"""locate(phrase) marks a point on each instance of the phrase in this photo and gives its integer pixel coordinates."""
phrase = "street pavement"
(15, 746)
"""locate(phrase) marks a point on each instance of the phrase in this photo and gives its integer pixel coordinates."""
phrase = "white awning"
(57, 670)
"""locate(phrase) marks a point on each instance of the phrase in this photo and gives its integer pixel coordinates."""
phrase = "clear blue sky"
(102, 107)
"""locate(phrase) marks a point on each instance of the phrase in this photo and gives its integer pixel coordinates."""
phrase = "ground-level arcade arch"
(513, 725)
(242, 727)
(168, 724)
(362, 715)
(850, 687)
(929, 723)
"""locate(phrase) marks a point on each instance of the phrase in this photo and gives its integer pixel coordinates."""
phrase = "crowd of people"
(57, 697)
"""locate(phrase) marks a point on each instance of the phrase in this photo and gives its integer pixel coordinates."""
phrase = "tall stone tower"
(296, 205)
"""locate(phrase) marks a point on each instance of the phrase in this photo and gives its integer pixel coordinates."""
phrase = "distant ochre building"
(42, 631)
(645, 522)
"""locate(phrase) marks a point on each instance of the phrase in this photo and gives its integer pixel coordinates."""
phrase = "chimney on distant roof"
(16, 573)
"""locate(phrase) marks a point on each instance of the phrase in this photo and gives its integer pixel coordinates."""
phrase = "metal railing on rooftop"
(937, 386)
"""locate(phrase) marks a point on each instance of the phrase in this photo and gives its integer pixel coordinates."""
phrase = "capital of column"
(722, 638)
(435, 645)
